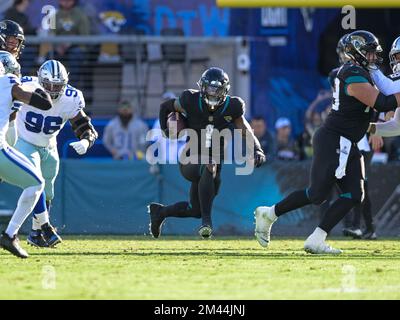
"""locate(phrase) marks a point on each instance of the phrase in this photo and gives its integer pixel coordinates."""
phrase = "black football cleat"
(156, 219)
(354, 233)
(205, 231)
(36, 239)
(50, 235)
(370, 235)
(12, 245)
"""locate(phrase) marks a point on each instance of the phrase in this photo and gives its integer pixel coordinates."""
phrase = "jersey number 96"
(37, 123)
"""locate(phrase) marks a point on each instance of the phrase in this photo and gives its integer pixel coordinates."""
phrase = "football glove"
(259, 158)
(80, 146)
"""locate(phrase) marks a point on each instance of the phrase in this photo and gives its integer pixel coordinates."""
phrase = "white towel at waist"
(345, 147)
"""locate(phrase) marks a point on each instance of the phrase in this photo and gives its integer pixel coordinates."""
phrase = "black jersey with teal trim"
(349, 117)
(199, 117)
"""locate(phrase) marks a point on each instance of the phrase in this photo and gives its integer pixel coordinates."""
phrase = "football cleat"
(12, 245)
(36, 239)
(50, 235)
(314, 246)
(370, 235)
(263, 225)
(355, 233)
(156, 219)
(205, 231)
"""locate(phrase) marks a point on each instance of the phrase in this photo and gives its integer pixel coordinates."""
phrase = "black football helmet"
(9, 28)
(361, 42)
(340, 50)
(214, 86)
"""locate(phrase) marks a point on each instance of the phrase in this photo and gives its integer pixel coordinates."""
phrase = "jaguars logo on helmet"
(214, 86)
(358, 44)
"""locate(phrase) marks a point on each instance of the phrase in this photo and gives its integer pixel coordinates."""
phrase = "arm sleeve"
(389, 128)
(385, 84)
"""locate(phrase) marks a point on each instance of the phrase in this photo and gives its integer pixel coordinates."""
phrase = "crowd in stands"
(124, 136)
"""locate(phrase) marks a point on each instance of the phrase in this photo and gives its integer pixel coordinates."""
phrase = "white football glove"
(12, 135)
(81, 146)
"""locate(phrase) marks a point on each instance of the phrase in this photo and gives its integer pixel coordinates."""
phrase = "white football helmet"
(395, 63)
(53, 77)
(10, 64)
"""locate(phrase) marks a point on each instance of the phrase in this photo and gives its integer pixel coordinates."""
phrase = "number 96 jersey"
(40, 127)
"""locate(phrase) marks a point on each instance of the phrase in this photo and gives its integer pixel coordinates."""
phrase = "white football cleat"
(319, 247)
(263, 225)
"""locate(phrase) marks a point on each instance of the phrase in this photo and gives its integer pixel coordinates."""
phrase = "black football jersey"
(204, 122)
(349, 117)
(332, 76)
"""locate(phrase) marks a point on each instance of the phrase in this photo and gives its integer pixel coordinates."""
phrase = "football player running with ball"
(15, 168)
(337, 159)
(207, 111)
(37, 137)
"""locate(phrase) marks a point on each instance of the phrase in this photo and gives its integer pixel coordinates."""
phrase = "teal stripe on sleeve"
(354, 79)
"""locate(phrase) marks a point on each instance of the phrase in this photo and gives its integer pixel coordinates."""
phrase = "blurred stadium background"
(278, 60)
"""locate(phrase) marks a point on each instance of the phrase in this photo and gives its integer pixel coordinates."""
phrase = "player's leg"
(183, 209)
(322, 180)
(17, 170)
(352, 193)
(210, 179)
(369, 233)
(50, 164)
(31, 152)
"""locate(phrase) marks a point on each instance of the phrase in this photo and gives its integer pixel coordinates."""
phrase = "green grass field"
(187, 268)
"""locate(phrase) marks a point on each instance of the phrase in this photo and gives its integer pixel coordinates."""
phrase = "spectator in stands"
(314, 118)
(264, 136)
(71, 21)
(125, 135)
(286, 147)
(17, 13)
(4, 5)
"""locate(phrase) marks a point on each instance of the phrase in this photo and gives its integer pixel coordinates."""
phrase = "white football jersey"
(40, 127)
(6, 104)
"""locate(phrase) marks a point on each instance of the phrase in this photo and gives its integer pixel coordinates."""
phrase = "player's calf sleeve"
(206, 195)
(335, 213)
(293, 201)
(26, 203)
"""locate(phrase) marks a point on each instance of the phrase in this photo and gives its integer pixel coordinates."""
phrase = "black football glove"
(259, 158)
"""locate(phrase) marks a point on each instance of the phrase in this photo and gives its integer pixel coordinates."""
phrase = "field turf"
(188, 268)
